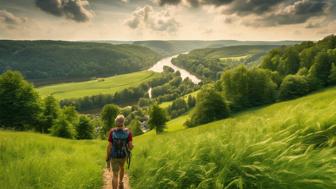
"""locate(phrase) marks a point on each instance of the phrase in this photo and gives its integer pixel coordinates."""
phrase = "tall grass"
(286, 145)
(34, 161)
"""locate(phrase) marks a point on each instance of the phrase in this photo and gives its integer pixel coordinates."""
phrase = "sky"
(130, 20)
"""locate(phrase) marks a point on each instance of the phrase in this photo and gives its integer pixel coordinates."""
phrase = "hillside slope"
(35, 161)
(285, 145)
(55, 60)
(209, 63)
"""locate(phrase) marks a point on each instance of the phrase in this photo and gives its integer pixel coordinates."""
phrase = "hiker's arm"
(130, 145)
(108, 151)
(130, 139)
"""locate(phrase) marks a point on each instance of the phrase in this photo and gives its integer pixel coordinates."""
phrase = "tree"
(210, 106)
(134, 126)
(108, 115)
(71, 115)
(51, 112)
(191, 101)
(157, 119)
(320, 70)
(290, 62)
(178, 107)
(20, 106)
(245, 88)
(332, 76)
(63, 128)
(293, 86)
(85, 130)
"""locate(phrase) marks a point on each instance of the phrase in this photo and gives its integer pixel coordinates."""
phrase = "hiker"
(118, 150)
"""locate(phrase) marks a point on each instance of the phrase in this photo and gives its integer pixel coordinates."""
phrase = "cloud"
(297, 13)
(147, 18)
(10, 20)
(77, 10)
(266, 12)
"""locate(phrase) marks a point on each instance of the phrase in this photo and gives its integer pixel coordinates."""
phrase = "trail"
(108, 180)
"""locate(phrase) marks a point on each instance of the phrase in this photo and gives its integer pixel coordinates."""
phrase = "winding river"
(158, 67)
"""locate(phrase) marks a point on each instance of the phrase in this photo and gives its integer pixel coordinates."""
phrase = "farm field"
(285, 145)
(107, 85)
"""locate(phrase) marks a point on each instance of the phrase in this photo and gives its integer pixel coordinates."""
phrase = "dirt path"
(108, 180)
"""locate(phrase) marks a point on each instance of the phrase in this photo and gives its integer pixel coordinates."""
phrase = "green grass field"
(107, 85)
(35, 161)
(286, 145)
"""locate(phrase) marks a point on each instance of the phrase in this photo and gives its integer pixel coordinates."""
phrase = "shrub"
(85, 130)
(293, 86)
(210, 106)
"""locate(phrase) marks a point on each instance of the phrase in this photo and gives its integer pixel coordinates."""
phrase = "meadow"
(286, 145)
(108, 85)
(35, 161)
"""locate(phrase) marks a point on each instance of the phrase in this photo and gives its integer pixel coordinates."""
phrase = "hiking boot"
(121, 185)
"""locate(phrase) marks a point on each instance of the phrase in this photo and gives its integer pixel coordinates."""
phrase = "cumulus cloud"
(146, 17)
(267, 12)
(77, 10)
(9, 20)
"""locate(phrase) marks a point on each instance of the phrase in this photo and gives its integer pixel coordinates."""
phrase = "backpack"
(120, 143)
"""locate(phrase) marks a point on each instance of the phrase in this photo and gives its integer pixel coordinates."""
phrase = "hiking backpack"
(120, 143)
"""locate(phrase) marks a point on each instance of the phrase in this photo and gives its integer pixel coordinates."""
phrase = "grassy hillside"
(54, 60)
(35, 161)
(209, 63)
(107, 85)
(285, 145)
(175, 47)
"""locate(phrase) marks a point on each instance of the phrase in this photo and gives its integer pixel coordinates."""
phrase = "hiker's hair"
(120, 118)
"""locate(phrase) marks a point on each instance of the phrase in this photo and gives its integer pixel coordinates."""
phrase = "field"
(35, 161)
(286, 145)
(97, 86)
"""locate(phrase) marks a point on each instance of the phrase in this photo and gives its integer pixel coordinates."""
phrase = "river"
(158, 67)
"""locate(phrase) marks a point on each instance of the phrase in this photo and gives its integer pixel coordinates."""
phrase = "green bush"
(293, 86)
(63, 128)
(85, 129)
(210, 106)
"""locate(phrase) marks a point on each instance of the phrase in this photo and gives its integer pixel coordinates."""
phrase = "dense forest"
(53, 60)
(209, 63)
(284, 73)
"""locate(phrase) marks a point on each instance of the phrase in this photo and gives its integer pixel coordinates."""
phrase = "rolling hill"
(209, 63)
(174, 47)
(56, 61)
(30, 160)
(285, 145)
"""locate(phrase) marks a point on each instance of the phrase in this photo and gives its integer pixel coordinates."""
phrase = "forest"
(54, 61)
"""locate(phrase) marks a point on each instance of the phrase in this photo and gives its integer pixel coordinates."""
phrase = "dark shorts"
(116, 164)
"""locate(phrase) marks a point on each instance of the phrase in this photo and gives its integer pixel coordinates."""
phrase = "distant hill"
(175, 46)
(209, 63)
(54, 60)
